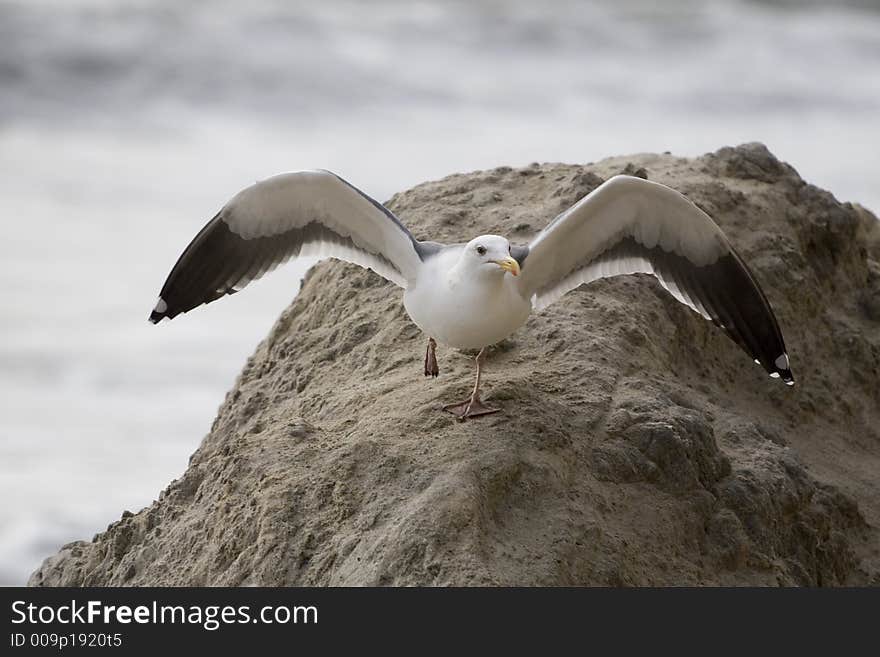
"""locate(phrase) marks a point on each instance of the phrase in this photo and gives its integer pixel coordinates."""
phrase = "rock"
(637, 445)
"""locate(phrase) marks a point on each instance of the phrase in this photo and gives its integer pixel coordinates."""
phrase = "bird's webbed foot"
(470, 407)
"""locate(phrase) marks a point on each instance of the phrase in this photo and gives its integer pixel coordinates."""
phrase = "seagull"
(472, 295)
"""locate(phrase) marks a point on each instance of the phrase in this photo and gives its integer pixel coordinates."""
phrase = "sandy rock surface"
(637, 445)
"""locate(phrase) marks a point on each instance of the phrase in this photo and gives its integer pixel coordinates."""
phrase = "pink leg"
(472, 406)
(431, 368)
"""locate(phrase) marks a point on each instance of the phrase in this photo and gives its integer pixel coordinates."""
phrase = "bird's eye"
(481, 250)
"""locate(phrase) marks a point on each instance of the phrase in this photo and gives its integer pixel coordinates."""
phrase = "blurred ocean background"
(124, 126)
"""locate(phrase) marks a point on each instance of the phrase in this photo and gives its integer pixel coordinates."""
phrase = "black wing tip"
(785, 375)
(160, 312)
(781, 369)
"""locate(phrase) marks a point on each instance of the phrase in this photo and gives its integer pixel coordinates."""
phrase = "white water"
(124, 126)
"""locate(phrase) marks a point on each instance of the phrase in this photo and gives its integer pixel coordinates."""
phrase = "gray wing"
(306, 213)
(629, 225)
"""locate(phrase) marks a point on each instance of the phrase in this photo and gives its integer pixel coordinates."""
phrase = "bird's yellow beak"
(508, 264)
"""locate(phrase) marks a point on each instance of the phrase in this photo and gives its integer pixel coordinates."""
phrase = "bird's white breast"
(464, 312)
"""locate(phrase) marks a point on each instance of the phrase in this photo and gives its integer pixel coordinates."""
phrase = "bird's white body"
(465, 304)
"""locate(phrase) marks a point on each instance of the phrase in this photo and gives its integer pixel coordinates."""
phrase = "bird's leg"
(473, 406)
(431, 368)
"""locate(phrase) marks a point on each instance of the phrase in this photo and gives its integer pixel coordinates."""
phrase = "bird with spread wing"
(472, 295)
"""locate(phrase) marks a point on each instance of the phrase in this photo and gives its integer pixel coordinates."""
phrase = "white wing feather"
(568, 252)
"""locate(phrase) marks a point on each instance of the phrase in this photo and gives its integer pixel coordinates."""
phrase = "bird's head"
(490, 255)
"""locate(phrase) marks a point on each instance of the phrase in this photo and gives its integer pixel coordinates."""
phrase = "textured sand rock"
(637, 445)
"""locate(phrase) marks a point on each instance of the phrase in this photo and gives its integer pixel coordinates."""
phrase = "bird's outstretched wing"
(629, 225)
(306, 213)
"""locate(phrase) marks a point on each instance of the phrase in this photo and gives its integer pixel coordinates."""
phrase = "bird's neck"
(463, 275)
